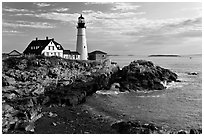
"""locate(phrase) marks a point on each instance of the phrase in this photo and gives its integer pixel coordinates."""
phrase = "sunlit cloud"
(27, 24)
(42, 4)
(16, 10)
(125, 6)
(61, 9)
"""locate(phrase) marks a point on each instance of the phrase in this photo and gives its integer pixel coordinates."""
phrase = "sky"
(122, 28)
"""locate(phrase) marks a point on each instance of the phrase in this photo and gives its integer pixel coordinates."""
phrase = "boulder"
(195, 131)
(141, 74)
(182, 132)
(192, 73)
(6, 80)
(135, 127)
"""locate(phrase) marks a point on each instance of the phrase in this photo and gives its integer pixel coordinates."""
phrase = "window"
(50, 47)
(84, 46)
(47, 53)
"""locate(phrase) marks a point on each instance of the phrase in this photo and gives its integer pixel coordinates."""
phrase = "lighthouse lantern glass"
(81, 20)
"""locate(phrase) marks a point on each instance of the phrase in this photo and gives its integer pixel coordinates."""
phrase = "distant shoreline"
(164, 56)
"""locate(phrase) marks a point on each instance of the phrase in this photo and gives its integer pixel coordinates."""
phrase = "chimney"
(46, 37)
(52, 39)
(36, 38)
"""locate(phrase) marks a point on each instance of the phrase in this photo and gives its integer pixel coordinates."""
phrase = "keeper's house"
(49, 47)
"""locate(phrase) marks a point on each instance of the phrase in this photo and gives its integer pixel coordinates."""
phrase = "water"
(177, 107)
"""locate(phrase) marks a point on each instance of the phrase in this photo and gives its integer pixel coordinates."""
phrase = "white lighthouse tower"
(81, 46)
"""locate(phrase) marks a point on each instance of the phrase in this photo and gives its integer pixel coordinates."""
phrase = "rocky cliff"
(28, 83)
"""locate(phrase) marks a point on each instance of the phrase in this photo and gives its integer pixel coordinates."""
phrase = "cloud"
(42, 4)
(16, 10)
(125, 6)
(165, 27)
(11, 31)
(87, 11)
(198, 10)
(43, 25)
(61, 9)
(65, 17)
(97, 3)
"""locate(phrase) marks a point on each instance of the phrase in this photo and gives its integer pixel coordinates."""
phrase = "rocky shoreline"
(33, 86)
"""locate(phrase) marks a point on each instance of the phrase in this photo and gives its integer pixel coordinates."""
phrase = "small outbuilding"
(71, 55)
(14, 53)
(97, 55)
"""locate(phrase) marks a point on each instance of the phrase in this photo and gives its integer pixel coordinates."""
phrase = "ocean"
(175, 108)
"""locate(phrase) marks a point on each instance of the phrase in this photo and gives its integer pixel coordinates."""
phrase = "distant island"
(164, 55)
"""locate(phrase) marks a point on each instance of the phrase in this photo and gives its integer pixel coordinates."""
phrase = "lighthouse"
(81, 46)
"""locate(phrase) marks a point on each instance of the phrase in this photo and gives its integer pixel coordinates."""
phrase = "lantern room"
(81, 22)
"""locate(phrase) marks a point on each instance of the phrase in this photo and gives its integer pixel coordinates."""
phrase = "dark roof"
(42, 44)
(14, 53)
(81, 17)
(74, 53)
(97, 52)
(66, 51)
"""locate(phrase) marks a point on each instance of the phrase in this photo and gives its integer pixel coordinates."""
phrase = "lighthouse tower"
(81, 46)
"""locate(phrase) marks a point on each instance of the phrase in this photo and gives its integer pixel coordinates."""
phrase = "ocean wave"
(192, 99)
(147, 96)
(175, 85)
(110, 92)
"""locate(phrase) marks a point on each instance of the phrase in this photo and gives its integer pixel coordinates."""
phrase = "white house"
(47, 47)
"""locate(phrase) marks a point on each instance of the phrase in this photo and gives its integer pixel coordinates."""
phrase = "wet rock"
(115, 86)
(192, 73)
(195, 131)
(54, 124)
(135, 127)
(6, 81)
(182, 132)
(22, 64)
(44, 81)
(50, 114)
(143, 74)
(30, 127)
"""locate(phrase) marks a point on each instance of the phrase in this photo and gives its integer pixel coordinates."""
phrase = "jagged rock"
(143, 74)
(135, 127)
(195, 131)
(22, 64)
(182, 132)
(115, 86)
(6, 81)
(38, 80)
(192, 73)
(50, 114)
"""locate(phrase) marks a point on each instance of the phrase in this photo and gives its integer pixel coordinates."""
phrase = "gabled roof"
(14, 53)
(97, 52)
(41, 46)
